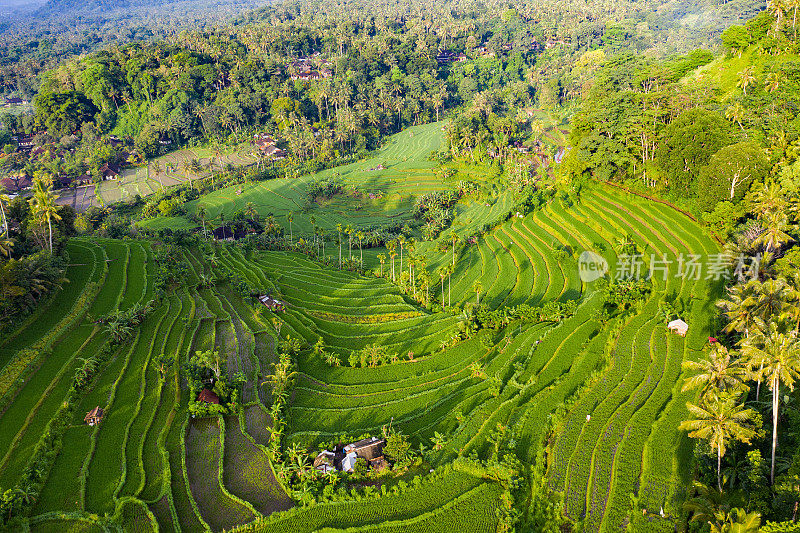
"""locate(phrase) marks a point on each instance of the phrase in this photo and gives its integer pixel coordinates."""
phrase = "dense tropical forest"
(463, 266)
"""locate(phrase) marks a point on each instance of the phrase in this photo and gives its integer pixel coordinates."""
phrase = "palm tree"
(454, 239)
(392, 246)
(118, 330)
(349, 231)
(778, 355)
(710, 505)
(770, 302)
(382, 259)
(401, 240)
(717, 372)
(202, 213)
(449, 285)
(339, 229)
(478, 288)
(777, 8)
(252, 213)
(768, 199)
(772, 81)
(442, 274)
(719, 419)
(44, 204)
(735, 113)
(360, 237)
(5, 245)
(741, 307)
(746, 78)
(4, 199)
(775, 234)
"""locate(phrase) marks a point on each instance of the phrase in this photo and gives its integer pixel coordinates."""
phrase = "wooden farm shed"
(325, 461)
(208, 396)
(94, 416)
(369, 449)
(678, 327)
(271, 303)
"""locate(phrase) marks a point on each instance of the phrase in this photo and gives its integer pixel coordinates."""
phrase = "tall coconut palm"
(44, 205)
(401, 240)
(768, 199)
(778, 10)
(4, 200)
(478, 288)
(778, 355)
(339, 230)
(746, 78)
(251, 212)
(392, 247)
(450, 270)
(770, 303)
(735, 113)
(740, 308)
(360, 236)
(382, 260)
(349, 231)
(716, 372)
(202, 214)
(775, 233)
(719, 420)
(442, 275)
(454, 240)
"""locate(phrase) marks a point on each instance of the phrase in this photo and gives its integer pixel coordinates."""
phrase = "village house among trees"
(345, 458)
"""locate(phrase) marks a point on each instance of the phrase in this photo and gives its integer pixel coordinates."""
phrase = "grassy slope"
(408, 173)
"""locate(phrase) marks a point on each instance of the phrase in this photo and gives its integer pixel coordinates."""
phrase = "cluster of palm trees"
(784, 11)
(44, 208)
(766, 315)
(419, 280)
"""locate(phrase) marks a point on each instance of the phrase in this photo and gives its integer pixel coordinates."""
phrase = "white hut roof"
(678, 324)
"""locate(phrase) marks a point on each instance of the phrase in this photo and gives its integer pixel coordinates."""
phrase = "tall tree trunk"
(5, 220)
(775, 396)
(758, 383)
(50, 228)
(719, 467)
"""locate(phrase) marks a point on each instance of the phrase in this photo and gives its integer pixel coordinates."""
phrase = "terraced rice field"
(633, 402)
(602, 398)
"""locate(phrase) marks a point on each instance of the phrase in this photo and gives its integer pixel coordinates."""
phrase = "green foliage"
(730, 173)
(63, 112)
(687, 145)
